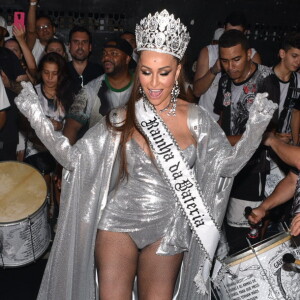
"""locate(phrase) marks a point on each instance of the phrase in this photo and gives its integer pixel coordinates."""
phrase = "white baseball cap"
(3, 24)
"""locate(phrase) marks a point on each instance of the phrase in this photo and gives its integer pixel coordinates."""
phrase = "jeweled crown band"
(162, 33)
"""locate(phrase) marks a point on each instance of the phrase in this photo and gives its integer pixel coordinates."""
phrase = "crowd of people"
(140, 174)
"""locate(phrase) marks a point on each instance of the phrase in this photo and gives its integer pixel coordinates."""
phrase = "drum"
(260, 274)
(24, 229)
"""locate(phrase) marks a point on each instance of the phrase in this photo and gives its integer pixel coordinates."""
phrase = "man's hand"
(295, 226)
(285, 137)
(257, 215)
(268, 136)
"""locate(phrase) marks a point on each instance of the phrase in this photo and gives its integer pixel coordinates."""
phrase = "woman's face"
(50, 75)
(157, 74)
(14, 47)
(56, 47)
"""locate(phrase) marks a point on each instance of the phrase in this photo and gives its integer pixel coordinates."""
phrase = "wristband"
(212, 71)
(33, 3)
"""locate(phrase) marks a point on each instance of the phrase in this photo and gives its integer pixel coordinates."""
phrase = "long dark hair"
(58, 41)
(64, 85)
(129, 125)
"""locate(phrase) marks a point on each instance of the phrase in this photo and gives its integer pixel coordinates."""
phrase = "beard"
(113, 69)
(79, 57)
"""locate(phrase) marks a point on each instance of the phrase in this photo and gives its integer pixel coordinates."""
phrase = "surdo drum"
(24, 229)
(260, 273)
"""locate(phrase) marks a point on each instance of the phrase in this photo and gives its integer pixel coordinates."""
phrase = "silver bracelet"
(33, 3)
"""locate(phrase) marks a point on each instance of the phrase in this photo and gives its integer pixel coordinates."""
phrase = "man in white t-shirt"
(38, 31)
(208, 70)
(4, 104)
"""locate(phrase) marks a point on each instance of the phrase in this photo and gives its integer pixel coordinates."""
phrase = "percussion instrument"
(24, 229)
(259, 272)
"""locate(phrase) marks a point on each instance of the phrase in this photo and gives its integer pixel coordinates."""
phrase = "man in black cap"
(101, 95)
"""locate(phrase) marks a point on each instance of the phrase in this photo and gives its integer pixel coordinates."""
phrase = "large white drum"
(24, 229)
(260, 274)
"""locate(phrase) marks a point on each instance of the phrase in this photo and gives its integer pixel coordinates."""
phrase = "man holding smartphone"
(39, 31)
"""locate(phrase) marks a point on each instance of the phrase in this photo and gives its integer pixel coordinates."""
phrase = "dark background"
(268, 20)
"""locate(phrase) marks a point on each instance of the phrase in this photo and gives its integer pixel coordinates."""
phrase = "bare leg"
(157, 274)
(116, 259)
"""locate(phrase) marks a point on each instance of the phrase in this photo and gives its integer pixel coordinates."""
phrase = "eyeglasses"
(40, 28)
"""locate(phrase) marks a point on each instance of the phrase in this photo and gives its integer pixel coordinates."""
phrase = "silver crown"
(162, 33)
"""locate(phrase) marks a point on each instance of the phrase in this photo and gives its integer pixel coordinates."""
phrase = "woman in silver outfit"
(144, 192)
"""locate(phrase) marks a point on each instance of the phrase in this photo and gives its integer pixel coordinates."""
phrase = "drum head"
(23, 191)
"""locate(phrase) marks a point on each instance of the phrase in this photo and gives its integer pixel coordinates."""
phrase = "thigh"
(157, 274)
(116, 259)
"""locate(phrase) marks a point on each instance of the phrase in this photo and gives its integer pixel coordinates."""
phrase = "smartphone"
(19, 19)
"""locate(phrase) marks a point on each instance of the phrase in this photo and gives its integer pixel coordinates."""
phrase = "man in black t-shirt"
(81, 70)
(242, 80)
(11, 72)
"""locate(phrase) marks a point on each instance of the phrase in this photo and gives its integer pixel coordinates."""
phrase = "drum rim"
(260, 246)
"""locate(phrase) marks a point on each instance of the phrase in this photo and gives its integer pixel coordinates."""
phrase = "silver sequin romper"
(144, 206)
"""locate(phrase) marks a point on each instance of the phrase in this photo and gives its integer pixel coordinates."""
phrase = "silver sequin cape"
(70, 271)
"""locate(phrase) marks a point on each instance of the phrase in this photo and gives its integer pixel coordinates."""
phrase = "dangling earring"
(174, 94)
(142, 93)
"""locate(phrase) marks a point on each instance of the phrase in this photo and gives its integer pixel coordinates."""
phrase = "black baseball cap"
(120, 44)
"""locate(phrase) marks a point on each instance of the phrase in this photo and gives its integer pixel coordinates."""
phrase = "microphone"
(290, 259)
(254, 228)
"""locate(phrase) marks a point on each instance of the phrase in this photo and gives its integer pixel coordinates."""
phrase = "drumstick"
(290, 259)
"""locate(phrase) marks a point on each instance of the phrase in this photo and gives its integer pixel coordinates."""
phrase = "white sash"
(180, 177)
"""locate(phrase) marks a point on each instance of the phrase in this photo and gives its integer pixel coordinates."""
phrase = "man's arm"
(13, 85)
(2, 118)
(204, 76)
(283, 192)
(295, 126)
(288, 153)
(31, 35)
(71, 130)
(19, 33)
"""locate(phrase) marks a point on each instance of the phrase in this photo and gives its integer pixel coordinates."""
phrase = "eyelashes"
(147, 73)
